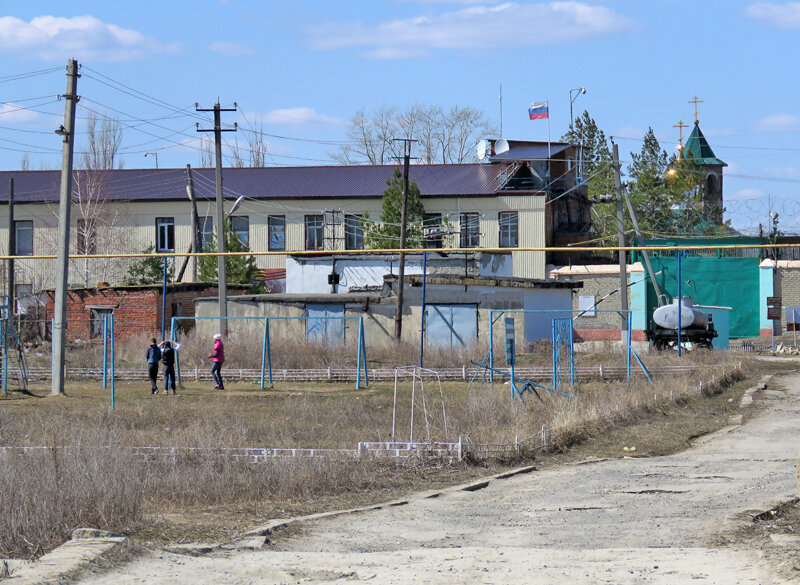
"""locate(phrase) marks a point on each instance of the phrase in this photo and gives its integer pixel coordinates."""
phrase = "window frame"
(206, 230)
(433, 220)
(27, 225)
(320, 227)
(513, 236)
(238, 232)
(353, 239)
(469, 229)
(272, 229)
(169, 224)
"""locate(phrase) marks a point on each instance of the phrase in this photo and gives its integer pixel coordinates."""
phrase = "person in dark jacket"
(153, 357)
(168, 357)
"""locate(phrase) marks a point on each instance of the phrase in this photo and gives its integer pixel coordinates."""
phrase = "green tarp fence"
(716, 281)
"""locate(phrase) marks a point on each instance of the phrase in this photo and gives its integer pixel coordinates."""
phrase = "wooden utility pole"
(401, 271)
(67, 131)
(194, 242)
(623, 264)
(12, 247)
(220, 219)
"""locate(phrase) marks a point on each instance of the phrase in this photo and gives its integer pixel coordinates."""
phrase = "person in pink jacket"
(217, 356)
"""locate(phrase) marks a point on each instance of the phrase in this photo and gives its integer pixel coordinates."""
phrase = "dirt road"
(626, 521)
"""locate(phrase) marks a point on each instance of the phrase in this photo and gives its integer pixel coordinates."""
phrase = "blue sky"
(303, 68)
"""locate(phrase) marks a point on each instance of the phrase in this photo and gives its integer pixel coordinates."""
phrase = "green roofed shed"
(698, 150)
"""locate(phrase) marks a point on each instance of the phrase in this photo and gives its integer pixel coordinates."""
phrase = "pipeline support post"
(264, 351)
(112, 362)
(105, 351)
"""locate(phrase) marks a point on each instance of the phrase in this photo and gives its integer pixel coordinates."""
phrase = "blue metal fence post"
(5, 349)
(264, 351)
(679, 254)
(269, 353)
(572, 354)
(358, 359)
(173, 335)
(491, 349)
(112, 362)
(105, 351)
(556, 361)
(422, 318)
(630, 320)
(364, 358)
(164, 301)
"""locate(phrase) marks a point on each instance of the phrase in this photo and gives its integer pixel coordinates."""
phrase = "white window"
(24, 237)
(165, 234)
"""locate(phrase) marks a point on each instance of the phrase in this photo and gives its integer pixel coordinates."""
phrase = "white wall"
(311, 276)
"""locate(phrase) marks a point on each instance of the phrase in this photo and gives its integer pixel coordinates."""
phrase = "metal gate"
(451, 325)
(325, 324)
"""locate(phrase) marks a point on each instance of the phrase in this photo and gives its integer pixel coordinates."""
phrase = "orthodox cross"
(696, 101)
(680, 125)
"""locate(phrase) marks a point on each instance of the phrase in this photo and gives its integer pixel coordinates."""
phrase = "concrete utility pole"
(623, 265)
(12, 247)
(196, 247)
(401, 272)
(220, 219)
(64, 205)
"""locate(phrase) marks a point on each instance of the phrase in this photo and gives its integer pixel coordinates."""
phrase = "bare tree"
(441, 136)
(258, 147)
(236, 154)
(25, 163)
(206, 152)
(103, 144)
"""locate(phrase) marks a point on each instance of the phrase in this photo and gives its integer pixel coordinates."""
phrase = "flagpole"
(501, 110)
(548, 134)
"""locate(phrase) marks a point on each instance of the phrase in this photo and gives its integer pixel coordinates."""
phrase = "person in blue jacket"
(153, 357)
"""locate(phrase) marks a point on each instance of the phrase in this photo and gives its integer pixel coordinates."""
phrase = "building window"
(23, 290)
(432, 230)
(353, 232)
(165, 234)
(470, 230)
(276, 232)
(314, 232)
(23, 234)
(86, 236)
(96, 322)
(509, 229)
(206, 228)
(240, 225)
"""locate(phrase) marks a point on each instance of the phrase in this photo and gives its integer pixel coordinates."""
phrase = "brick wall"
(136, 310)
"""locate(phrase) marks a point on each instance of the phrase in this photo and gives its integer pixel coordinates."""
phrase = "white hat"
(218, 336)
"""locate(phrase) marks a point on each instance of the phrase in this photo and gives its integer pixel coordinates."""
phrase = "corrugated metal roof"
(531, 152)
(336, 182)
(698, 149)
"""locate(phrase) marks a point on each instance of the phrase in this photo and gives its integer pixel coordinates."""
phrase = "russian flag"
(538, 111)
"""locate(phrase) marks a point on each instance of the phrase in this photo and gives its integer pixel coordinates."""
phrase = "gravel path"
(655, 520)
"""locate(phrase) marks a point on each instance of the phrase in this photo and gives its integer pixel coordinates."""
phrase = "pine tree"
(238, 269)
(148, 270)
(597, 172)
(386, 235)
(647, 188)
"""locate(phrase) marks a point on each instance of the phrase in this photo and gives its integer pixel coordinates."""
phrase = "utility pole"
(194, 242)
(12, 247)
(220, 219)
(67, 131)
(401, 272)
(623, 265)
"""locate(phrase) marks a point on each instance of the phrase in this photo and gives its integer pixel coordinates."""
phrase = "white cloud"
(11, 113)
(778, 123)
(785, 16)
(748, 194)
(633, 132)
(232, 49)
(295, 117)
(504, 25)
(84, 37)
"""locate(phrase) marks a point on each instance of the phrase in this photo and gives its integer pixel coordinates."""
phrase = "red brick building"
(136, 309)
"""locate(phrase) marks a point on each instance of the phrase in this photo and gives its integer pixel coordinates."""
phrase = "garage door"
(451, 325)
(321, 327)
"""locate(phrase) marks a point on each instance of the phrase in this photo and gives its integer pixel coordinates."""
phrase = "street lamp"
(155, 154)
(578, 91)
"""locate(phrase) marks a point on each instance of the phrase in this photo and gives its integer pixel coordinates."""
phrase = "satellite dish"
(483, 148)
(501, 146)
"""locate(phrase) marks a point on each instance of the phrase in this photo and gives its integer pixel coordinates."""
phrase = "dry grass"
(47, 494)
